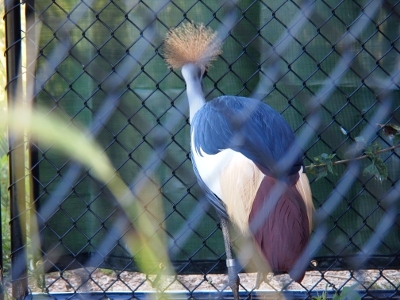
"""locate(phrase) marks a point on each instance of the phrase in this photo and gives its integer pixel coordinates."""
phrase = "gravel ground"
(106, 280)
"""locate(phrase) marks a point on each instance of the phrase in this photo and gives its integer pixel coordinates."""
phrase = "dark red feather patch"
(283, 234)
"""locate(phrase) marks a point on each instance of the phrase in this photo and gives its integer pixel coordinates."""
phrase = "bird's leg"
(230, 262)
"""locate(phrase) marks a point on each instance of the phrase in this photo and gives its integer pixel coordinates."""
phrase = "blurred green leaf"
(3, 144)
(81, 147)
(322, 166)
(377, 168)
(322, 173)
(371, 169)
(347, 293)
(324, 294)
(372, 149)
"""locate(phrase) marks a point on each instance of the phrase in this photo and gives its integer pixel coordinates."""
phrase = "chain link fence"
(95, 68)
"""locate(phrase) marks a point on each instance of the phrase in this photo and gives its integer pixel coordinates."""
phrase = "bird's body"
(246, 159)
(237, 144)
(229, 129)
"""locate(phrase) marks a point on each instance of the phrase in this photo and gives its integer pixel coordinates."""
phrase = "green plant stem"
(358, 158)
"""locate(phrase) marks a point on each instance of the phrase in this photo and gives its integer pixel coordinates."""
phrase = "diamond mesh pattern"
(329, 67)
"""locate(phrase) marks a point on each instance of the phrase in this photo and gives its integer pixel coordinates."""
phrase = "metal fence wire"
(330, 67)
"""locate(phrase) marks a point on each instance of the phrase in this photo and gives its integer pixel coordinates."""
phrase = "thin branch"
(358, 158)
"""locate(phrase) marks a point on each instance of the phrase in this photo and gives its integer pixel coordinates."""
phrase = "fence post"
(16, 153)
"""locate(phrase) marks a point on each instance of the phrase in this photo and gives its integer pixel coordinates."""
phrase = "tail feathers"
(303, 186)
(239, 183)
(283, 235)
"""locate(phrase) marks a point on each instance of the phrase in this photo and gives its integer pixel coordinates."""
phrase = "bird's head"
(193, 72)
(192, 48)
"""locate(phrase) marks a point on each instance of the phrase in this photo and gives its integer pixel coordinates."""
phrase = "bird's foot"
(234, 280)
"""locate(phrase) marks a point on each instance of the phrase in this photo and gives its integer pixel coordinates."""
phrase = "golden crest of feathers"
(191, 43)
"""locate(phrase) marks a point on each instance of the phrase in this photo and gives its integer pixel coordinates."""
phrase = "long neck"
(194, 90)
(195, 96)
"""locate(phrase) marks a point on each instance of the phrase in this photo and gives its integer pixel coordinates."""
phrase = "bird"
(246, 160)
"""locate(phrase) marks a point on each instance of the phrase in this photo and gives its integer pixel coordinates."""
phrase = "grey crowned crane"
(236, 146)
